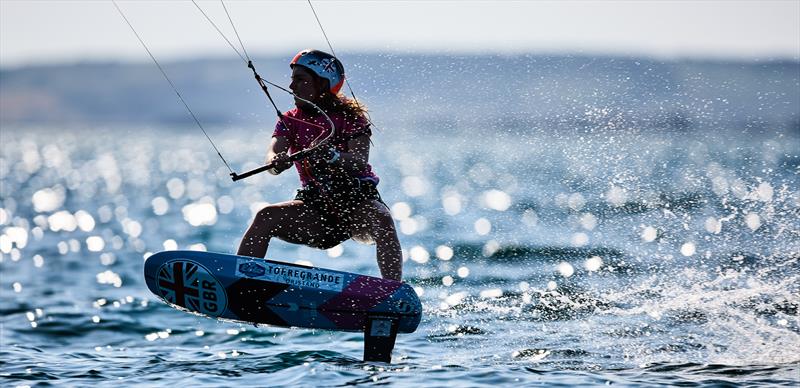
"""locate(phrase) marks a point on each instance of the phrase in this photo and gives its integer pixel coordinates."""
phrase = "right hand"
(280, 162)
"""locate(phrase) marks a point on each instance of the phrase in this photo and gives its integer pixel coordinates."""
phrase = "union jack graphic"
(179, 284)
(329, 65)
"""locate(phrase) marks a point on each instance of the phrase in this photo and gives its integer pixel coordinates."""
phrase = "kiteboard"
(258, 291)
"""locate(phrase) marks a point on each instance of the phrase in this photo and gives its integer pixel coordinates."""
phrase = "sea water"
(542, 256)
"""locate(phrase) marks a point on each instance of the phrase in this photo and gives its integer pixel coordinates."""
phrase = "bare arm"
(278, 153)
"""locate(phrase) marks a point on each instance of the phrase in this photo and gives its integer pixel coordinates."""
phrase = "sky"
(41, 32)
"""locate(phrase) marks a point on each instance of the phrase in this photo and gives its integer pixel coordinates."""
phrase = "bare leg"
(290, 221)
(294, 222)
(380, 225)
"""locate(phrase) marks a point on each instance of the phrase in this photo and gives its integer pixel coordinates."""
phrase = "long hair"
(339, 102)
(344, 104)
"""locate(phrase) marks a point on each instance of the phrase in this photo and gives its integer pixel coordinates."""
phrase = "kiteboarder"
(338, 199)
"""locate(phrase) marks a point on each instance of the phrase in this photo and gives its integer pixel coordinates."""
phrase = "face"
(305, 84)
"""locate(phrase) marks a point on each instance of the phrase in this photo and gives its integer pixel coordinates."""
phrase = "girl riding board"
(339, 199)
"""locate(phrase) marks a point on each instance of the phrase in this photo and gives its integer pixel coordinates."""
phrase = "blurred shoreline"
(525, 91)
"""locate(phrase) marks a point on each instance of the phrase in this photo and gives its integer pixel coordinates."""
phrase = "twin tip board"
(251, 290)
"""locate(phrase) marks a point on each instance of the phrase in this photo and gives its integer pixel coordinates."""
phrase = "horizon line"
(219, 56)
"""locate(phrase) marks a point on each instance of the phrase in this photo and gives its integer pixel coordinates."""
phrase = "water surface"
(542, 256)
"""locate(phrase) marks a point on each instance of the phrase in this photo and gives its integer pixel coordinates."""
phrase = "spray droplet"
(565, 269)
(688, 249)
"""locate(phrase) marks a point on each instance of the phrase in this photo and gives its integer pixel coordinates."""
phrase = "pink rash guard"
(304, 128)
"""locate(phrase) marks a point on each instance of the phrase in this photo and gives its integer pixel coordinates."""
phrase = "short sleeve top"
(303, 128)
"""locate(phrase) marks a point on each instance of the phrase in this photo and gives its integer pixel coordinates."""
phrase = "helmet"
(323, 65)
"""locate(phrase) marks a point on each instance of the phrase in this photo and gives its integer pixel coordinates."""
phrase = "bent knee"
(383, 228)
(384, 220)
(276, 211)
(270, 217)
(266, 213)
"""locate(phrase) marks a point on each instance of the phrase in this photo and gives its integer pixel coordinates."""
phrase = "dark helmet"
(323, 65)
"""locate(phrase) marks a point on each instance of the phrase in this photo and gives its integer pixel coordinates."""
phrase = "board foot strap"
(379, 336)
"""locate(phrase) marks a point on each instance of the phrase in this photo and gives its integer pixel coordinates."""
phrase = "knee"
(383, 225)
(267, 213)
(267, 218)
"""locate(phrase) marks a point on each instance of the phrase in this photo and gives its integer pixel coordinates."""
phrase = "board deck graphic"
(252, 290)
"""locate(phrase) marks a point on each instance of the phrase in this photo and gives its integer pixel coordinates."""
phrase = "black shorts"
(335, 206)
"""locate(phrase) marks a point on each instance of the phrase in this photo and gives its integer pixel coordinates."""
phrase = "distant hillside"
(443, 92)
